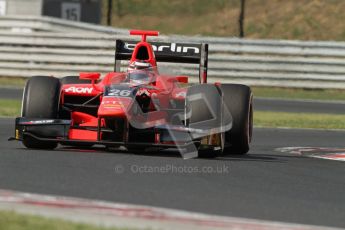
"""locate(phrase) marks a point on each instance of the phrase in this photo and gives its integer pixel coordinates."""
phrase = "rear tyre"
(201, 111)
(239, 101)
(40, 100)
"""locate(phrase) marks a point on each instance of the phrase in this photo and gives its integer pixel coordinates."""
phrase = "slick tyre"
(239, 101)
(203, 109)
(40, 100)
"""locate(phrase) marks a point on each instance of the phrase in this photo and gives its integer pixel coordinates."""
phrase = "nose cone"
(114, 106)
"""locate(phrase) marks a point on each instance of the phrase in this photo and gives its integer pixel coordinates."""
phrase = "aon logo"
(74, 89)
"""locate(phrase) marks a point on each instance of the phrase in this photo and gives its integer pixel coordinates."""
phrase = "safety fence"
(48, 46)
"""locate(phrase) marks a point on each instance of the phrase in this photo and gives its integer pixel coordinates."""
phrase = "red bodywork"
(87, 125)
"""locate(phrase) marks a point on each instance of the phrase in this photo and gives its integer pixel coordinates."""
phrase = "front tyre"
(41, 100)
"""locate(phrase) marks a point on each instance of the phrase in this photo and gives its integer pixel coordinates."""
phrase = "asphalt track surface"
(264, 184)
(260, 104)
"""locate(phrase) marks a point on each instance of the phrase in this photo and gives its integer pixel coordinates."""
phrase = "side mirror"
(182, 79)
(90, 76)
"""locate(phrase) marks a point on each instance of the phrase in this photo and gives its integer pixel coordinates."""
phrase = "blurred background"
(275, 19)
(266, 19)
(295, 43)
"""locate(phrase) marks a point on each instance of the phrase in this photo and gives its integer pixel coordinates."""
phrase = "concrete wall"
(24, 7)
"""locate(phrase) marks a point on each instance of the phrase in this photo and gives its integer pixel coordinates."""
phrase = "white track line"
(335, 157)
(337, 102)
(337, 154)
(130, 216)
(302, 129)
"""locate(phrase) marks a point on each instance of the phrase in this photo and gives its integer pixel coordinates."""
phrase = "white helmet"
(139, 64)
(139, 72)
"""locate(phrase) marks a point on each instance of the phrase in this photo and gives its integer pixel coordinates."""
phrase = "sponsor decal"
(43, 122)
(119, 93)
(74, 89)
(38, 122)
(172, 47)
(112, 104)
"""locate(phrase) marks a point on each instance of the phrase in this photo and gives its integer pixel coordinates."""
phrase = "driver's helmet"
(139, 72)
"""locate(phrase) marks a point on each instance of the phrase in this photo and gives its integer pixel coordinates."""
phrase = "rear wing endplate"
(168, 52)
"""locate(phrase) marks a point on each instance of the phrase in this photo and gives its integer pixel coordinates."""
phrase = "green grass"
(299, 120)
(14, 221)
(269, 92)
(15, 82)
(10, 108)
(273, 19)
(294, 93)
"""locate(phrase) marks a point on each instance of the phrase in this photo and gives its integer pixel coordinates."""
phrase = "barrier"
(48, 46)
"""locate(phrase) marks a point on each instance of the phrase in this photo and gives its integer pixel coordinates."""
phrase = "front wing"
(186, 140)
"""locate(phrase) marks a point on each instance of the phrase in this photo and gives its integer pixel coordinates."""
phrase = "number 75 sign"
(70, 11)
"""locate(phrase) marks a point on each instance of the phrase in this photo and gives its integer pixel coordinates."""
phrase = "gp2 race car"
(140, 108)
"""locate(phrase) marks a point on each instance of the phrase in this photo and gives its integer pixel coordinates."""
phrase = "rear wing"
(168, 52)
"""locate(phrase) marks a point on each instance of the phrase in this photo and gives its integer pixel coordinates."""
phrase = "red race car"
(139, 108)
